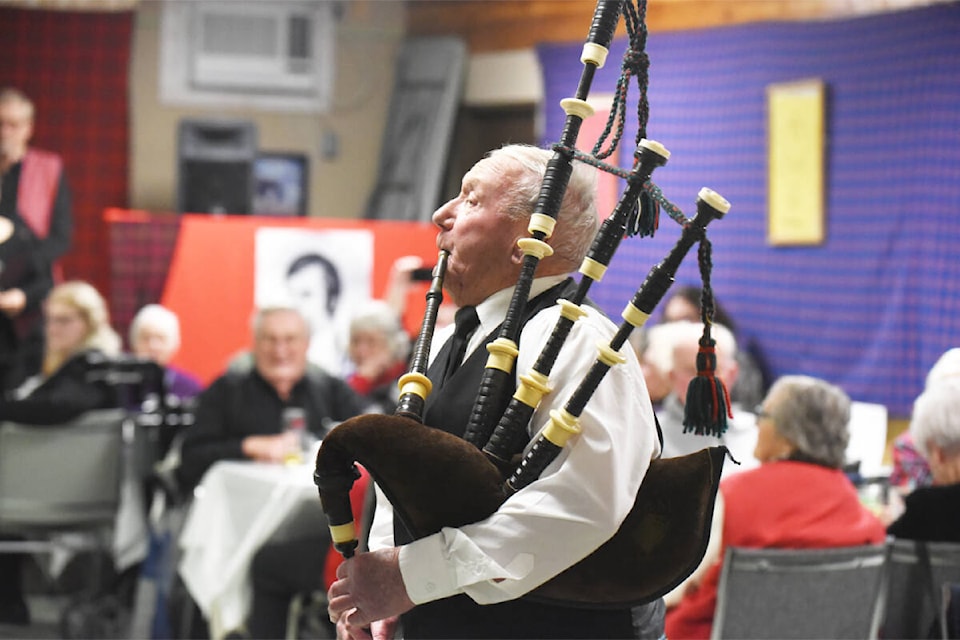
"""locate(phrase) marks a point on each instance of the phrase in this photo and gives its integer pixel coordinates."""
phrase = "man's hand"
(369, 588)
(12, 302)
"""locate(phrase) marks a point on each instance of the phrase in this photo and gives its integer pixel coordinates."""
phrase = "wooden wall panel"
(496, 25)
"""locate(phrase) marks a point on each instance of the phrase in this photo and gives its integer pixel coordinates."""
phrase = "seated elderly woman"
(931, 512)
(378, 350)
(155, 335)
(797, 498)
(78, 339)
(910, 467)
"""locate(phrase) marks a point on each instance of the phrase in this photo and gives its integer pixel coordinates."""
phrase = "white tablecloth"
(236, 507)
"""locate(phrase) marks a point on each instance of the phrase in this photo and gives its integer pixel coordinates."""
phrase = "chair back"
(917, 574)
(799, 593)
(65, 476)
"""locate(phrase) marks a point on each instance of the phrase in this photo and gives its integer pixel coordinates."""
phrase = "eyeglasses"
(63, 320)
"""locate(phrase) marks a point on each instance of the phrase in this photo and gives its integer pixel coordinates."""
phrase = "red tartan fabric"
(141, 247)
(39, 177)
(74, 66)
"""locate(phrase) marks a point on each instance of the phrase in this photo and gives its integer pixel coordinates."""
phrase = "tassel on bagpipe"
(497, 383)
(708, 402)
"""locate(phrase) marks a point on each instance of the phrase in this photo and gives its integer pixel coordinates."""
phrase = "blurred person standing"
(35, 196)
(23, 276)
(35, 186)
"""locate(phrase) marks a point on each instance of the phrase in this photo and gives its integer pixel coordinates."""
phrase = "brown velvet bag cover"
(434, 479)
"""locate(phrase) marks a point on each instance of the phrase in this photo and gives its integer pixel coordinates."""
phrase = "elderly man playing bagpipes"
(545, 514)
(566, 514)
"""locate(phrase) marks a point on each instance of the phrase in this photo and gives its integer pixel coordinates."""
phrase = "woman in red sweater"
(798, 498)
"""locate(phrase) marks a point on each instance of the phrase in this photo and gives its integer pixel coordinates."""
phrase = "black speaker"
(215, 166)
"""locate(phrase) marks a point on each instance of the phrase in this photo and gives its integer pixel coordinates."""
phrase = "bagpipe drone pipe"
(434, 479)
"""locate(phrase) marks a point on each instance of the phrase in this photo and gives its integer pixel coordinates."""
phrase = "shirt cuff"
(449, 563)
(424, 569)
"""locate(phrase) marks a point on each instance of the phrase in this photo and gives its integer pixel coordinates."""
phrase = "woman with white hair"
(932, 512)
(910, 466)
(155, 335)
(379, 348)
(798, 498)
(78, 339)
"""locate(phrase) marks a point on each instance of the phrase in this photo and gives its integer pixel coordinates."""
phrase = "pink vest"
(39, 177)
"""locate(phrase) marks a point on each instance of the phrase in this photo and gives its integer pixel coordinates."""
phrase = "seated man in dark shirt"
(241, 416)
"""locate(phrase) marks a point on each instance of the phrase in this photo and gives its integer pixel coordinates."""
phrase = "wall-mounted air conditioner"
(273, 54)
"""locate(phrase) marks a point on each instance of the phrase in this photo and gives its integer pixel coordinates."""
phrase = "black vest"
(449, 408)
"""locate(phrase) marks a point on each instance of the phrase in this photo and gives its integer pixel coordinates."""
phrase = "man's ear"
(517, 255)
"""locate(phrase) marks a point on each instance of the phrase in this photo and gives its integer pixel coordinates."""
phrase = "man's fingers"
(339, 605)
(357, 619)
(346, 630)
(338, 588)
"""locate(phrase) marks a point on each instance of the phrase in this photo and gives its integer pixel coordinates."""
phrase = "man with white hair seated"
(240, 416)
(741, 435)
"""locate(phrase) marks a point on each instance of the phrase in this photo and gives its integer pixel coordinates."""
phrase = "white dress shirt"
(578, 502)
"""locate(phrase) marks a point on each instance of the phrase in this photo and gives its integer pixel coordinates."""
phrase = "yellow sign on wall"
(795, 163)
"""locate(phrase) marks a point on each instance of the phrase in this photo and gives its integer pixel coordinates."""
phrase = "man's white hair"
(577, 220)
(275, 306)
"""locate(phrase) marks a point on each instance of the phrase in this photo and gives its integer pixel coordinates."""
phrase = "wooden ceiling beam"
(495, 25)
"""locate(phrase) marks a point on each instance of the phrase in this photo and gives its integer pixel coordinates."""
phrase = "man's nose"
(442, 216)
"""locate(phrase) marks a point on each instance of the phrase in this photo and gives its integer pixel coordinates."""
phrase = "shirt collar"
(493, 310)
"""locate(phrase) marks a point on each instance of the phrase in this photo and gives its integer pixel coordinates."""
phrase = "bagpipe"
(434, 479)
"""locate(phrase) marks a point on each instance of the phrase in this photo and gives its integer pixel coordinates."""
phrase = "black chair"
(800, 593)
(62, 479)
(920, 575)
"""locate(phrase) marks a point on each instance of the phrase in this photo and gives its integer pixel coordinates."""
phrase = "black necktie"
(464, 322)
